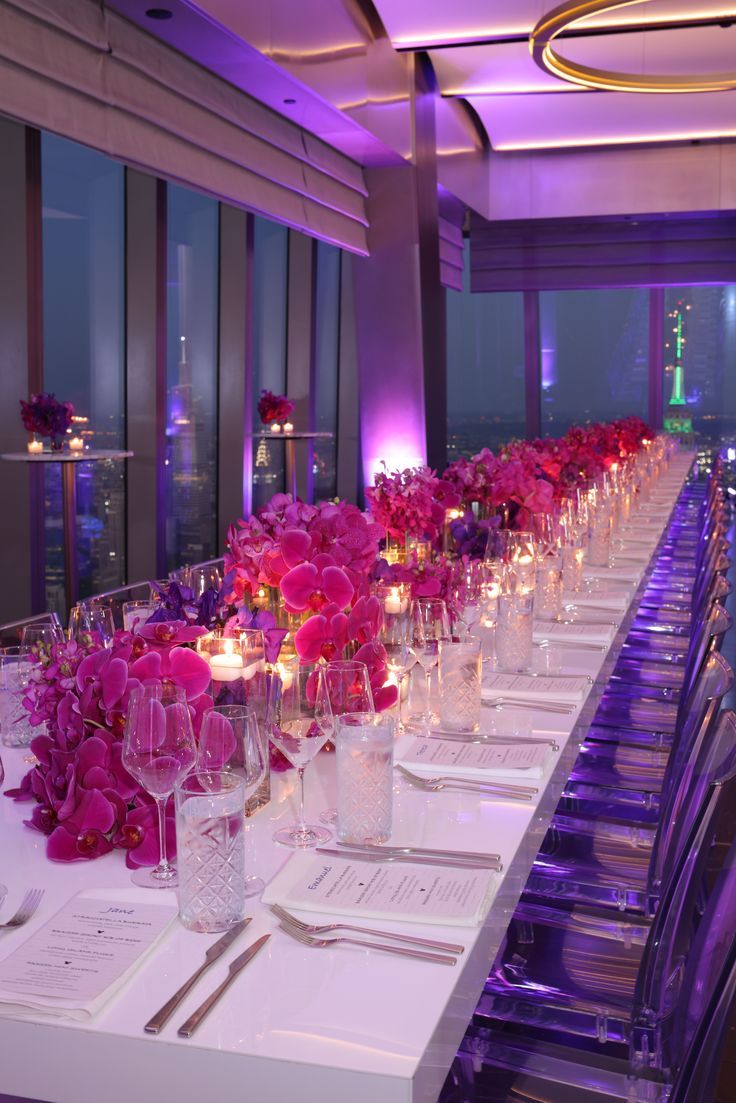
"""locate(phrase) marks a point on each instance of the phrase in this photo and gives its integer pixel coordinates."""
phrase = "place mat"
(482, 761)
(72, 965)
(386, 890)
(579, 632)
(542, 687)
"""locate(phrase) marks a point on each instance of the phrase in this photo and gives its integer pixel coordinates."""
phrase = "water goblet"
(16, 666)
(301, 722)
(430, 624)
(42, 636)
(395, 636)
(158, 748)
(230, 739)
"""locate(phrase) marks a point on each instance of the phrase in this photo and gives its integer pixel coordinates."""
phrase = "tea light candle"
(260, 599)
(76, 444)
(288, 427)
(286, 675)
(35, 447)
(275, 427)
(392, 604)
(226, 667)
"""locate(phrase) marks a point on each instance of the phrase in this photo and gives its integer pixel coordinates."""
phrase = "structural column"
(532, 365)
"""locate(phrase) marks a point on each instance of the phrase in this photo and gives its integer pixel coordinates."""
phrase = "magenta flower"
(322, 636)
(313, 585)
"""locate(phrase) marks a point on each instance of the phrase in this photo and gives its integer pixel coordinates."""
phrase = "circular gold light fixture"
(562, 18)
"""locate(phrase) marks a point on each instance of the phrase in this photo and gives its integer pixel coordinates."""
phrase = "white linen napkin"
(579, 632)
(623, 574)
(69, 967)
(481, 761)
(606, 599)
(565, 688)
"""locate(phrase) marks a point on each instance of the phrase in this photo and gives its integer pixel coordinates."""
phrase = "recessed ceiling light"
(289, 100)
(159, 13)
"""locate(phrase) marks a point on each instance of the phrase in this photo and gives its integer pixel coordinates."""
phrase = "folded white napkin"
(542, 687)
(481, 761)
(623, 574)
(70, 966)
(412, 893)
(574, 633)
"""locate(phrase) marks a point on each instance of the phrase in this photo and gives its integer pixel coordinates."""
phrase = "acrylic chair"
(508, 1065)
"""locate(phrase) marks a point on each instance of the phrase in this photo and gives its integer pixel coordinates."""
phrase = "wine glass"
(202, 579)
(467, 596)
(16, 667)
(158, 748)
(42, 636)
(395, 635)
(91, 623)
(348, 687)
(230, 739)
(429, 625)
(300, 725)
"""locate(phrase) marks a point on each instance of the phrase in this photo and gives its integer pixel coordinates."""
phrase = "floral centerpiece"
(86, 802)
(273, 408)
(45, 416)
(411, 502)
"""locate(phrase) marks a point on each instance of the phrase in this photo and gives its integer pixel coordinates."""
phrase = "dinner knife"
(215, 951)
(493, 861)
(413, 859)
(187, 1029)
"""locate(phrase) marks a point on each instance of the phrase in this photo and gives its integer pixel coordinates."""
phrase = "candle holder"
(599, 539)
(35, 447)
(275, 427)
(548, 589)
(573, 558)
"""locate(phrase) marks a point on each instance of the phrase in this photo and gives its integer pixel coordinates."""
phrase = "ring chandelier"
(564, 16)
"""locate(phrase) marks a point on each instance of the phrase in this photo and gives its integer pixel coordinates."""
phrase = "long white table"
(331, 1024)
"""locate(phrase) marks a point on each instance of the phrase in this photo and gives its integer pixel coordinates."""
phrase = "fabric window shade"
(79, 70)
(581, 253)
(451, 215)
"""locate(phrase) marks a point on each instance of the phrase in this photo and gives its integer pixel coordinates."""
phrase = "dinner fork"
(28, 906)
(312, 940)
(469, 785)
(325, 928)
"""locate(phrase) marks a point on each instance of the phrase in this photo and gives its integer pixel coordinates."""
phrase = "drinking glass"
(158, 749)
(395, 635)
(548, 588)
(301, 722)
(210, 844)
(430, 624)
(515, 623)
(41, 637)
(136, 613)
(91, 623)
(201, 579)
(255, 693)
(459, 684)
(467, 596)
(16, 666)
(230, 739)
(348, 687)
(364, 752)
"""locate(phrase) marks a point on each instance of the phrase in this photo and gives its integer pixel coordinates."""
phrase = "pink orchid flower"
(316, 584)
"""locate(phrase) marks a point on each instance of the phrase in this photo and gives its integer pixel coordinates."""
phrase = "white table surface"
(329, 1025)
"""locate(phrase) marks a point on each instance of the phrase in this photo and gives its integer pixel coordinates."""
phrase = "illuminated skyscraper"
(676, 420)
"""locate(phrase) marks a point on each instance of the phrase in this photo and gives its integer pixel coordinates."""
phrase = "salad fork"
(312, 940)
(325, 928)
(469, 785)
(28, 906)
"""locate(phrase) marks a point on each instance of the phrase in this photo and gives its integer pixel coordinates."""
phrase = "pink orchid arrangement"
(411, 502)
(85, 800)
(274, 407)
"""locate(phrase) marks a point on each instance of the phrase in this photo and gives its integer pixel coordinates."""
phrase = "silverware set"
(559, 708)
(311, 934)
(494, 740)
(502, 789)
(415, 855)
(576, 645)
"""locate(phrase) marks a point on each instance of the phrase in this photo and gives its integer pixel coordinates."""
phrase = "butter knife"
(413, 859)
(187, 1029)
(215, 951)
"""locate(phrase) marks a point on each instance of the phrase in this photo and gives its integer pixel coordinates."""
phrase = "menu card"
(624, 574)
(71, 966)
(605, 599)
(539, 687)
(578, 632)
(477, 760)
(392, 890)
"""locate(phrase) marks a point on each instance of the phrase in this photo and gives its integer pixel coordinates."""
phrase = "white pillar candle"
(288, 427)
(76, 444)
(392, 604)
(226, 668)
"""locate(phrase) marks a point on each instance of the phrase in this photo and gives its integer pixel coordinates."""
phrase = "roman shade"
(77, 69)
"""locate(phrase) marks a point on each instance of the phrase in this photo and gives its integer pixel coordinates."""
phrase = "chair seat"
(618, 712)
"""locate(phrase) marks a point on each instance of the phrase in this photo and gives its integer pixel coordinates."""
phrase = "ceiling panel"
(424, 23)
(603, 118)
(509, 67)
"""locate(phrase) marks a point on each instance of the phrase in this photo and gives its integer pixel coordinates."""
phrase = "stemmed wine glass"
(348, 687)
(300, 724)
(158, 748)
(430, 624)
(230, 739)
(92, 621)
(395, 636)
(41, 637)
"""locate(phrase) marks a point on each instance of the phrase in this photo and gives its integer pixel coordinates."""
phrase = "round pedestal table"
(289, 443)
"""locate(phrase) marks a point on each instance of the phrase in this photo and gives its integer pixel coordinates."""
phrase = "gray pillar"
(17, 324)
(656, 357)
(532, 365)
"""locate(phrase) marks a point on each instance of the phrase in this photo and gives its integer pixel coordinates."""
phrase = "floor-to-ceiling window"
(270, 301)
(83, 353)
(326, 367)
(191, 377)
(594, 355)
(699, 387)
(485, 369)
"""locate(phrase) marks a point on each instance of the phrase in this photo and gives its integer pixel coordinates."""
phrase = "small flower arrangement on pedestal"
(45, 416)
(275, 410)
